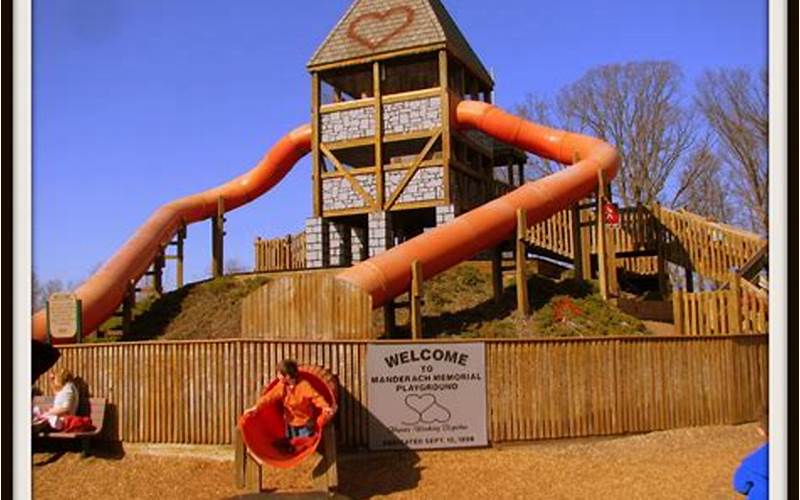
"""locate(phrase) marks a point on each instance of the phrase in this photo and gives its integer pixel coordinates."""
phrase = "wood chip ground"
(683, 463)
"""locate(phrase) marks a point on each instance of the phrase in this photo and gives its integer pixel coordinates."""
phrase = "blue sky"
(137, 103)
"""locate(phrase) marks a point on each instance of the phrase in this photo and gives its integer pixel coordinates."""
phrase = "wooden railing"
(193, 392)
(741, 309)
(713, 250)
(282, 254)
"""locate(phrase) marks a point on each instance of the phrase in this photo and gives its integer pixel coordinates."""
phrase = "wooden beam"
(316, 163)
(416, 300)
(346, 105)
(602, 250)
(378, 113)
(497, 274)
(677, 311)
(413, 170)
(577, 243)
(521, 275)
(735, 305)
(217, 240)
(444, 112)
(377, 57)
(353, 181)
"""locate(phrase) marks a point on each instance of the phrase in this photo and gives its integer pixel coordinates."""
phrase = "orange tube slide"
(388, 275)
(103, 292)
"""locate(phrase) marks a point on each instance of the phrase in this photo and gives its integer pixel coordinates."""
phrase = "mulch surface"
(683, 463)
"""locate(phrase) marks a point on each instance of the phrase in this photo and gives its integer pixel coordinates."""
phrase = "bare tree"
(539, 110)
(702, 186)
(735, 104)
(234, 265)
(40, 293)
(636, 107)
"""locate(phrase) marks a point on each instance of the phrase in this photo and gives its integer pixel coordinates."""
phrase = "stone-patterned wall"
(339, 242)
(348, 124)
(445, 213)
(338, 193)
(380, 232)
(358, 244)
(317, 242)
(410, 116)
(427, 184)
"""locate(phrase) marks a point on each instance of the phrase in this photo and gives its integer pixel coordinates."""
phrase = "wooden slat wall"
(282, 254)
(710, 313)
(714, 250)
(193, 392)
(308, 306)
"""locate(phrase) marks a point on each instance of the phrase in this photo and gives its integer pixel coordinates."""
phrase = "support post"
(316, 162)
(661, 261)
(735, 305)
(577, 243)
(602, 247)
(128, 303)
(497, 274)
(523, 305)
(689, 270)
(378, 112)
(677, 311)
(217, 240)
(389, 319)
(325, 475)
(415, 299)
(444, 111)
(179, 256)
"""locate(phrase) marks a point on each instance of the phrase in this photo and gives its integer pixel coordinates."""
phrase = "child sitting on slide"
(299, 400)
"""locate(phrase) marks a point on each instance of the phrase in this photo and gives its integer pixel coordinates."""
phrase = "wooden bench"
(96, 410)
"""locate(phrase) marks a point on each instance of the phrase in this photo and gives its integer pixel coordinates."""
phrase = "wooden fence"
(193, 392)
(282, 254)
(313, 306)
(711, 249)
(741, 309)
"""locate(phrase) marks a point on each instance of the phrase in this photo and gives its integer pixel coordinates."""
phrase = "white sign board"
(426, 395)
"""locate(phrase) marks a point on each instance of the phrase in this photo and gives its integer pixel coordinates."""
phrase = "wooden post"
(415, 299)
(325, 475)
(497, 273)
(158, 273)
(523, 306)
(577, 243)
(389, 319)
(316, 163)
(217, 237)
(677, 311)
(243, 463)
(735, 305)
(128, 303)
(661, 262)
(689, 270)
(602, 250)
(179, 257)
(378, 97)
(586, 242)
(444, 111)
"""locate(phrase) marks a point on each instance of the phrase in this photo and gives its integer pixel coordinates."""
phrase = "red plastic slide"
(103, 292)
(388, 274)
(263, 429)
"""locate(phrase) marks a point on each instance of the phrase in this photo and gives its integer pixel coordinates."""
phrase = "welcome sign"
(426, 395)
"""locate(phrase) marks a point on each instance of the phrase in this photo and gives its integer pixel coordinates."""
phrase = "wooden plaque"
(63, 315)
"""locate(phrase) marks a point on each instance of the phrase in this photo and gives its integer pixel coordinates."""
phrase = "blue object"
(752, 476)
(293, 432)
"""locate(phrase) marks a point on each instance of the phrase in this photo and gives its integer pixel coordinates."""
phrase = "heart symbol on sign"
(394, 20)
(420, 403)
(436, 413)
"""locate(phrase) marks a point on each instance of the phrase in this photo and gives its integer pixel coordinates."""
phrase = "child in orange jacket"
(299, 400)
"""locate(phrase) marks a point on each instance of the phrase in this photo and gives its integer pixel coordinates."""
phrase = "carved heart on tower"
(374, 29)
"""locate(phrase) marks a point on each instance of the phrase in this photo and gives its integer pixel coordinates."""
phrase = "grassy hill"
(457, 303)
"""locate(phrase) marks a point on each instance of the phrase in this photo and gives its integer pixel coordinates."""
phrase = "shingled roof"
(373, 27)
